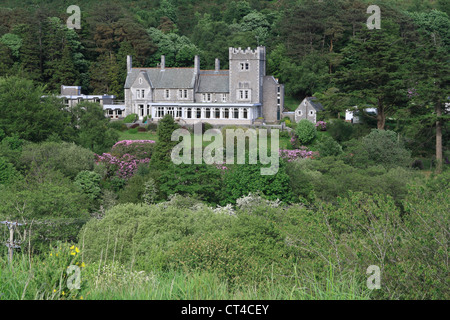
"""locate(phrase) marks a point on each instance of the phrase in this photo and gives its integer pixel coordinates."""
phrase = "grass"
(36, 277)
(125, 135)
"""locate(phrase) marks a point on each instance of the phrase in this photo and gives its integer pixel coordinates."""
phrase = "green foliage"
(327, 146)
(201, 181)
(8, 174)
(240, 180)
(380, 147)
(93, 132)
(146, 233)
(25, 113)
(68, 158)
(306, 132)
(58, 208)
(130, 118)
(89, 183)
(163, 148)
(340, 130)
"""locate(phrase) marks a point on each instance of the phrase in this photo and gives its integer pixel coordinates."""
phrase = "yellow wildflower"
(81, 298)
(73, 253)
(83, 265)
(54, 290)
(63, 293)
(72, 247)
(77, 250)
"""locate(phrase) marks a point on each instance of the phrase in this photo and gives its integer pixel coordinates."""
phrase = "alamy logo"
(374, 21)
(374, 281)
(214, 152)
(74, 281)
(74, 21)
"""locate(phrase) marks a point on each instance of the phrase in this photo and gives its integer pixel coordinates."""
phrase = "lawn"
(125, 135)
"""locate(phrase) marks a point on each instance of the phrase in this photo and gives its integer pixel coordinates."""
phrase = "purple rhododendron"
(292, 155)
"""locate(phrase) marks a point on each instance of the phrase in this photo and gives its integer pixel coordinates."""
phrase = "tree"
(92, 127)
(25, 112)
(430, 74)
(371, 71)
(163, 148)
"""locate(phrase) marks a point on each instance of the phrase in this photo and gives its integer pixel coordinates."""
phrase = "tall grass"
(39, 277)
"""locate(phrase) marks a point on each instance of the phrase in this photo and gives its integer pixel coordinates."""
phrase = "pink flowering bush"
(125, 157)
(292, 155)
(140, 149)
(321, 125)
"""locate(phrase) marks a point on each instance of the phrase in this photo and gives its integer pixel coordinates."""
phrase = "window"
(138, 92)
(160, 112)
(299, 112)
(199, 113)
(245, 113)
(236, 113)
(148, 109)
(119, 112)
(167, 94)
(224, 97)
(182, 93)
(311, 113)
(244, 95)
(244, 66)
(143, 94)
(141, 110)
(208, 113)
(179, 112)
(189, 113)
(206, 97)
(217, 113)
(226, 113)
(171, 111)
(140, 80)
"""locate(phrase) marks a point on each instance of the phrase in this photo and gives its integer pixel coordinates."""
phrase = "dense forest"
(105, 196)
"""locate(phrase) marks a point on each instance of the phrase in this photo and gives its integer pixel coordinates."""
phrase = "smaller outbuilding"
(308, 109)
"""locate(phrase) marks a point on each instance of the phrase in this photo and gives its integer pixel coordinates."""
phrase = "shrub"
(117, 125)
(417, 164)
(322, 125)
(306, 132)
(133, 131)
(327, 146)
(340, 130)
(68, 158)
(152, 126)
(141, 232)
(130, 118)
(89, 183)
(8, 174)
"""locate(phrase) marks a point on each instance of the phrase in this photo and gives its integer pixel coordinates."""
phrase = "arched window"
(189, 113)
(236, 113)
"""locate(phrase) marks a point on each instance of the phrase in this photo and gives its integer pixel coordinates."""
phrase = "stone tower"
(246, 74)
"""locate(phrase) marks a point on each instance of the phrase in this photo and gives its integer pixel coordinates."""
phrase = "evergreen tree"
(163, 148)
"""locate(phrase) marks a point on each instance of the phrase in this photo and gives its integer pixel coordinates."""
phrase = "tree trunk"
(381, 116)
(439, 138)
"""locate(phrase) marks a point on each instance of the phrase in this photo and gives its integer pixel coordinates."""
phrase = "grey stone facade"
(308, 109)
(239, 95)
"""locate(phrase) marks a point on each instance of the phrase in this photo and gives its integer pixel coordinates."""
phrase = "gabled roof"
(315, 105)
(169, 78)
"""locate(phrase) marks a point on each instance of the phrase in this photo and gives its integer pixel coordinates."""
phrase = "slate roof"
(315, 105)
(211, 81)
(169, 78)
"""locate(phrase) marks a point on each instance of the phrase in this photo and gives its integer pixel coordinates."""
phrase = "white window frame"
(166, 93)
(244, 66)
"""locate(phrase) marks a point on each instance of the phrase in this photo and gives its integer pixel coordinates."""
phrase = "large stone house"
(238, 96)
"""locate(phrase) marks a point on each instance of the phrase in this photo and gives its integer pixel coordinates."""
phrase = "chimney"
(129, 64)
(217, 65)
(197, 65)
(163, 62)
